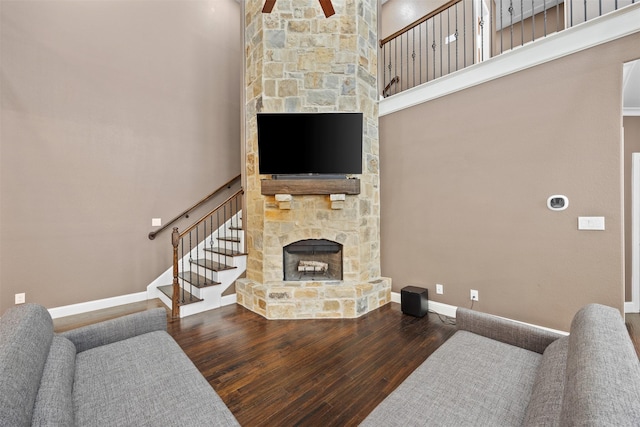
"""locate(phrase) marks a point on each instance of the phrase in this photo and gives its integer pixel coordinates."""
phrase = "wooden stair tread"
(188, 298)
(197, 280)
(213, 265)
(224, 251)
(229, 239)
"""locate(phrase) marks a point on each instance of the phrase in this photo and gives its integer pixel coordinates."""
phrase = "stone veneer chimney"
(297, 60)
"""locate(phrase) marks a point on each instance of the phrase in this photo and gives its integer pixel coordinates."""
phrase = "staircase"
(207, 264)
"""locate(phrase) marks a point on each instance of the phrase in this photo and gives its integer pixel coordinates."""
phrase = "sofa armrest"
(504, 330)
(117, 329)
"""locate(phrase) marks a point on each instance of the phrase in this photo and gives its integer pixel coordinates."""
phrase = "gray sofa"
(495, 372)
(123, 372)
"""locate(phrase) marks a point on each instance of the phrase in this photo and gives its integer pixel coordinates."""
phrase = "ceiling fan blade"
(327, 7)
(268, 6)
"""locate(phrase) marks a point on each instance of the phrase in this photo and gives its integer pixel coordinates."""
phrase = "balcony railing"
(461, 33)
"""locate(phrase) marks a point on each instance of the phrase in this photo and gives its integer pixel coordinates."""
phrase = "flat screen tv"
(299, 144)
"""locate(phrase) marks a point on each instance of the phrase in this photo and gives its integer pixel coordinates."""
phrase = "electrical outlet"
(474, 295)
(20, 298)
(439, 289)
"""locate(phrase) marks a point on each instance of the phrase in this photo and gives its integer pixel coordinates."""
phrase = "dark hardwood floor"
(329, 372)
(302, 372)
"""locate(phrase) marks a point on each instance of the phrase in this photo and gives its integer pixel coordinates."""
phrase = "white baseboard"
(450, 311)
(228, 299)
(85, 307)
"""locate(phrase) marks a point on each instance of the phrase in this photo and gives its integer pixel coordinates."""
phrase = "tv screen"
(310, 143)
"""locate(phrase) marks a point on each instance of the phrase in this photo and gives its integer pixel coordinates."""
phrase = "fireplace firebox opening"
(312, 259)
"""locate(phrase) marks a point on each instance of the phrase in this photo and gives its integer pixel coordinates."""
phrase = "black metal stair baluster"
(190, 264)
(441, 58)
(395, 62)
(456, 35)
(449, 44)
(521, 22)
(464, 34)
(433, 46)
(224, 227)
(401, 62)
(197, 258)
(600, 7)
(413, 54)
(544, 5)
(236, 215)
(204, 252)
(533, 21)
(481, 36)
(420, 51)
(384, 70)
(220, 242)
(426, 49)
(501, 29)
(211, 244)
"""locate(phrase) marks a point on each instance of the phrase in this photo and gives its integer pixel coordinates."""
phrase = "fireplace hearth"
(312, 259)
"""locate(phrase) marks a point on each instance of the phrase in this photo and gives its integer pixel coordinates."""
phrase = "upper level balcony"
(468, 42)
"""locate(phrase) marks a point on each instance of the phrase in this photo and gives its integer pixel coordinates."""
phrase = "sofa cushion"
(54, 404)
(26, 332)
(139, 382)
(469, 379)
(603, 373)
(546, 397)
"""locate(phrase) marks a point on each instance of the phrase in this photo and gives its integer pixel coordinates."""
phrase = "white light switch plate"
(156, 222)
(590, 223)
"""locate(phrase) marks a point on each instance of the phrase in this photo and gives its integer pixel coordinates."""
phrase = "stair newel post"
(175, 241)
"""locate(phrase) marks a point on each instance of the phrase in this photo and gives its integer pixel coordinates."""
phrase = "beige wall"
(113, 112)
(465, 179)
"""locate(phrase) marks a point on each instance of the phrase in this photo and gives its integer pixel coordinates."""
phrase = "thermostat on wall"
(557, 202)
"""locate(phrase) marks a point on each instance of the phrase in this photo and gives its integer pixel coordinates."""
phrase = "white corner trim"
(603, 29)
(85, 307)
(634, 305)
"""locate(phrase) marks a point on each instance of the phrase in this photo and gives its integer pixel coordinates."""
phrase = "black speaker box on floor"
(414, 301)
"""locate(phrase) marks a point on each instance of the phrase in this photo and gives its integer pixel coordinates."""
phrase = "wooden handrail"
(396, 79)
(227, 184)
(208, 214)
(428, 16)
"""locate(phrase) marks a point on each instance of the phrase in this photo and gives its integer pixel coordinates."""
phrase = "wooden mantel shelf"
(271, 187)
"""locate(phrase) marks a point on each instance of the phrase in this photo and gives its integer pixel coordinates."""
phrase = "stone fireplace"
(297, 60)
